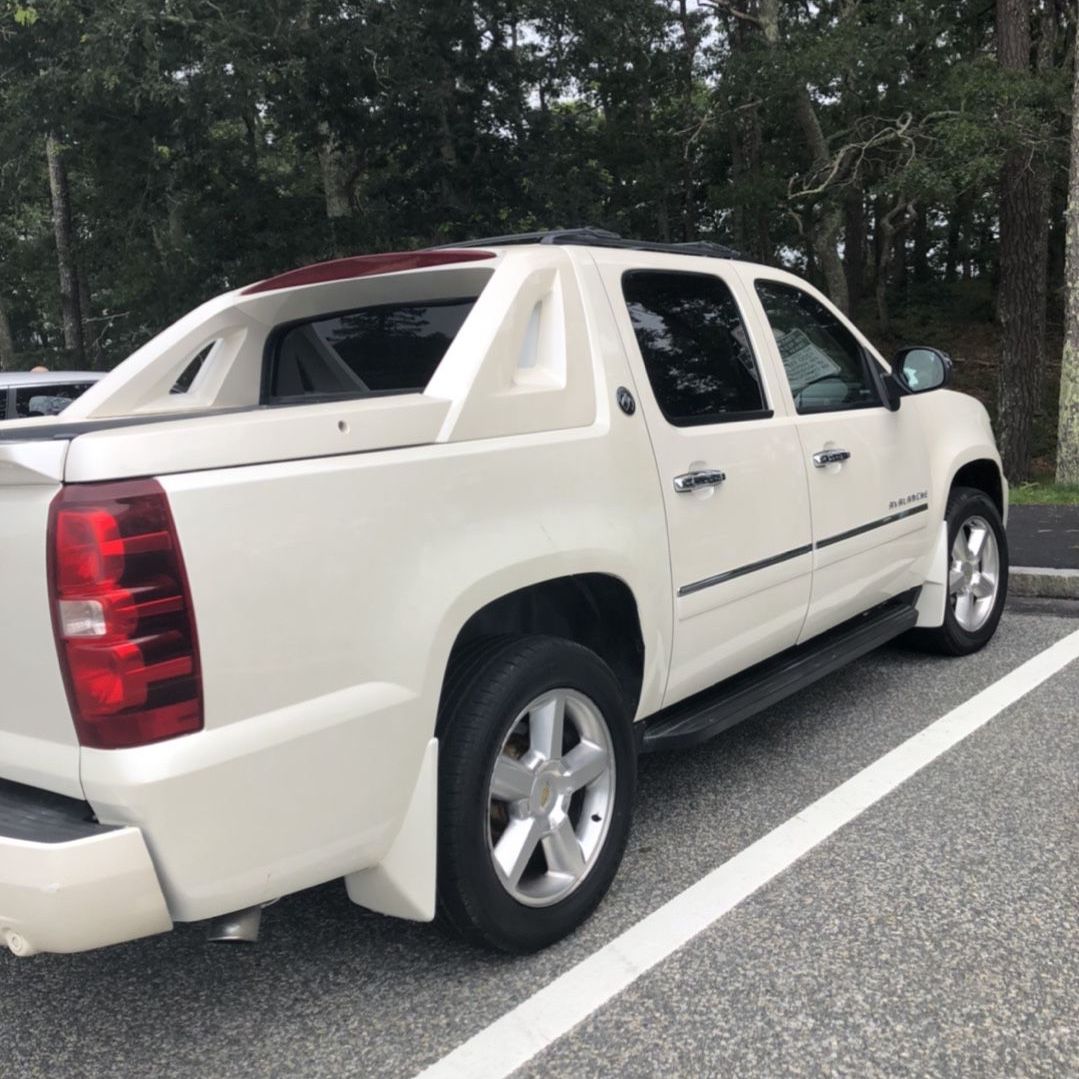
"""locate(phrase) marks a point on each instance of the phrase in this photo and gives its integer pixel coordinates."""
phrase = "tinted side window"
(694, 347)
(826, 367)
(391, 348)
(47, 400)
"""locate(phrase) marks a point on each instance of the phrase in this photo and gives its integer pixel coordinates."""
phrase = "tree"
(1024, 251)
(71, 308)
(1068, 428)
(7, 346)
(209, 143)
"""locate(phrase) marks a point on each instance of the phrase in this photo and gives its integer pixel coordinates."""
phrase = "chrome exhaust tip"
(239, 925)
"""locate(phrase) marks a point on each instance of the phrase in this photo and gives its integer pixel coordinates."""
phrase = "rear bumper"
(68, 884)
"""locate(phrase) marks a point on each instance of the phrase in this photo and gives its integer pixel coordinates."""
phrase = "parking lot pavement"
(935, 933)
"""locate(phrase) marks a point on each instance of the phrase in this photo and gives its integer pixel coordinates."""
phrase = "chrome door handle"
(694, 481)
(823, 458)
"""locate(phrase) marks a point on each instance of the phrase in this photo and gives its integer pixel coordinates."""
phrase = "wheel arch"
(596, 610)
(983, 474)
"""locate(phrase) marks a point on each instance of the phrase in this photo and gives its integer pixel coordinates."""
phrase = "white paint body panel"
(38, 746)
(403, 883)
(87, 893)
(889, 461)
(335, 551)
(726, 627)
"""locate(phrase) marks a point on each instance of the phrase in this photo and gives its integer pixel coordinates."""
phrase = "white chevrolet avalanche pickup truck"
(387, 569)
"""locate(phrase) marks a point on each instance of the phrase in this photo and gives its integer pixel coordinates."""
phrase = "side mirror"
(893, 392)
(920, 369)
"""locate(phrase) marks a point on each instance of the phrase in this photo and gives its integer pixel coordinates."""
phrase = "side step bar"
(706, 714)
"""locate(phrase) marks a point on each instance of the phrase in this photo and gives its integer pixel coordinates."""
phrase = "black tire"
(480, 706)
(952, 639)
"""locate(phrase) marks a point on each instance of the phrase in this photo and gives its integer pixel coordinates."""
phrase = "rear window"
(47, 400)
(367, 352)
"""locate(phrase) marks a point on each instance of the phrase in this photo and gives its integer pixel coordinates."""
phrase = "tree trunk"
(663, 220)
(951, 258)
(824, 234)
(739, 169)
(854, 243)
(768, 19)
(7, 346)
(1024, 242)
(983, 257)
(920, 260)
(65, 252)
(689, 57)
(879, 210)
(824, 231)
(334, 174)
(91, 340)
(959, 230)
(890, 225)
(811, 264)
(900, 277)
(827, 217)
(764, 252)
(1068, 423)
(447, 146)
(750, 216)
(1055, 280)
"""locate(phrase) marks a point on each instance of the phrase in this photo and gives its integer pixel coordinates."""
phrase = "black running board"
(706, 714)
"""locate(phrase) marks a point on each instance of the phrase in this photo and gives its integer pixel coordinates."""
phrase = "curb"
(1043, 583)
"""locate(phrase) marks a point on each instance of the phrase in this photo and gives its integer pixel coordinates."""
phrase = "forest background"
(910, 158)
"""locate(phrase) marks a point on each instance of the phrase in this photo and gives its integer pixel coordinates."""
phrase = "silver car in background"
(41, 393)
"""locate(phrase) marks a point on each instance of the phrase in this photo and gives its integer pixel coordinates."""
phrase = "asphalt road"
(936, 934)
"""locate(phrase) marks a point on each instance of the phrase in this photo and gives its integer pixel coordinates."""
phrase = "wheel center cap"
(546, 790)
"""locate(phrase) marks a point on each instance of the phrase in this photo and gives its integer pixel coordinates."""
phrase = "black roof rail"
(595, 237)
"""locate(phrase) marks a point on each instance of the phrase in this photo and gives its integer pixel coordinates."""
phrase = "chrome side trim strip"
(890, 519)
(797, 552)
(741, 571)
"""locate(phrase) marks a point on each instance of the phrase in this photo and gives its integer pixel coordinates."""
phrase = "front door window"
(826, 367)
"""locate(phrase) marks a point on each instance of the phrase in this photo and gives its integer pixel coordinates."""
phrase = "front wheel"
(977, 575)
(537, 772)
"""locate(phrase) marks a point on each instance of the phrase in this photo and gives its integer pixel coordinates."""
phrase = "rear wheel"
(977, 575)
(536, 777)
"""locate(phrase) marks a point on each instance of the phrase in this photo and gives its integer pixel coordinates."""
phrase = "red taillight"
(122, 611)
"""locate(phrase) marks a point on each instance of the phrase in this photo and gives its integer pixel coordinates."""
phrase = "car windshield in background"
(372, 351)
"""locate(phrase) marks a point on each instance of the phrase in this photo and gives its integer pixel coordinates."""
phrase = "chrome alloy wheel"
(551, 797)
(974, 576)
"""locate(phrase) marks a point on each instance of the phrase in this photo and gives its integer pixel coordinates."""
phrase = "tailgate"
(38, 745)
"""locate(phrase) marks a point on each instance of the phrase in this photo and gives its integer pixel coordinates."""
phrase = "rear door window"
(367, 352)
(694, 346)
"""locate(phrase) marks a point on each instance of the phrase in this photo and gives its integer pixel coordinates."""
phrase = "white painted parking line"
(555, 1010)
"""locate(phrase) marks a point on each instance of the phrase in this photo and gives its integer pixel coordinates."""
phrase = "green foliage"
(1044, 493)
(212, 142)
